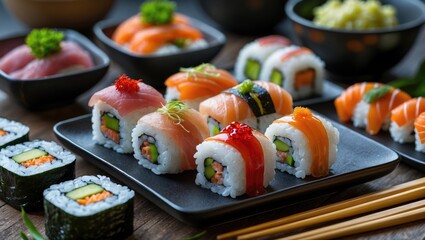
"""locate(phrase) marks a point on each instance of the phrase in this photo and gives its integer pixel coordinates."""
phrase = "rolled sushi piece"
(26, 169)
(369, 105)
(296, 69)
(12, 132)
(237, 161)
(194, 85)
(117, 108)
(403, 117)
(88, 207)
(252, 56)
(165, 141)
(420, 133)
(306, 144)
(256, 103)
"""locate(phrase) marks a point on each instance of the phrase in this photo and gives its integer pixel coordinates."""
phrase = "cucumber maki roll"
(12, 132)
(26, 169)
(88, 207)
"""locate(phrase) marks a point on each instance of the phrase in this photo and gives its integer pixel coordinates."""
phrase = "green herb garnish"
(203, 69)
(44, 42)
(157, 12)
(31, 228)
(245, 87)
(376, 93)
(415, 86)
(174, 110)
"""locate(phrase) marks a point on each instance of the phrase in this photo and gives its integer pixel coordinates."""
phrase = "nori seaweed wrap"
(12, 132)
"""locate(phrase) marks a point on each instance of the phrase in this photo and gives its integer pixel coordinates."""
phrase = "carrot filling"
(304, 78)
(38, 161)
(94, 198)
(2, 133)
(110, 127)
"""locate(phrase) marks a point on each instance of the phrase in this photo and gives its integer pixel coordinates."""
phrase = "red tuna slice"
(16, 59)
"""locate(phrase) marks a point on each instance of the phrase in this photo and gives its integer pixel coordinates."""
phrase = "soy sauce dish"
(55, 90)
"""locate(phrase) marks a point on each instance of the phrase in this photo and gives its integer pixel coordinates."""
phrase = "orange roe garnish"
(2, 133)
(126, 84)
(302, 112)
(94, 198)
(38, 161)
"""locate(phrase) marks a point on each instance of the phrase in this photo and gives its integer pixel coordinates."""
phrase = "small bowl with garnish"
(49, 67)
(356, 39)
(155, 43)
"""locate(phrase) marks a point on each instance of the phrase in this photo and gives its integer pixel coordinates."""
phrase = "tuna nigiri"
(402, 118)
(369, 105)
(193, 85)
(420, 133)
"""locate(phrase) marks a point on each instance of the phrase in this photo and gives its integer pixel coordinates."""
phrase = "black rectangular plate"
(330, 92)
(359, 159)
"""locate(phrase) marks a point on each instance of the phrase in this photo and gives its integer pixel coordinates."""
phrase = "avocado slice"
(281, 146)
(28, 155)
(252, 69)
(208, 169)
(276, 77)
(215, 130)
(154, 153)
(84, 191)
(111, 122)
(290, 160)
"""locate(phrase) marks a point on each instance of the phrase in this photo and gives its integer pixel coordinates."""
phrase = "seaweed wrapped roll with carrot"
(12, 132)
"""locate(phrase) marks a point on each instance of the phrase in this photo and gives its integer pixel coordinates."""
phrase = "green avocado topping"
(157, 12)
(44, 42)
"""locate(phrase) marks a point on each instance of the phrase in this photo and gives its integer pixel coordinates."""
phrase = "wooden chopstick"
(391, 217)
(287, 223)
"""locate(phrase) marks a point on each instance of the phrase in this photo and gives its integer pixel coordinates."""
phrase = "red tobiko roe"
(125, 84)
(238, 130)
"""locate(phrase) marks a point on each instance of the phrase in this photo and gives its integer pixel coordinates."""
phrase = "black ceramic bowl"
(356, 55)
(58, 89)
(155, 69)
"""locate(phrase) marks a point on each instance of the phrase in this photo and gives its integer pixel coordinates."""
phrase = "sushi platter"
(178, 195)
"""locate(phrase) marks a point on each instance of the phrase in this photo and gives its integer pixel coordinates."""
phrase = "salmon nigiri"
(402, 118)
(369, 105)
(193, 85)
(420, 132)
(256, 103)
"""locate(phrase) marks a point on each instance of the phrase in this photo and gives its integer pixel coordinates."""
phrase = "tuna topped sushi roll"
(256, 103)
(296, 69)
(117, 108)
(88, 207)
(193, 85)
(420, 133)
(252, 56)
(165, 141)
(236, 161)
(306, 144)
(402, 118)
(369, 105)
(12, 132)
(26, 169)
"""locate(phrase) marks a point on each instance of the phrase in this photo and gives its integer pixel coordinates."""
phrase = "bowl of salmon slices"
(47, 68)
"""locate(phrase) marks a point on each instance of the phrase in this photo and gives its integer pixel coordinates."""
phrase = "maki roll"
(420, 133)
(12, 132)
(88, 207)
(256, 103)
(117, 108)
(369, 105)
(26, 169)
(252, 56)
(306, 144)
(193, 85)
(296, 69)
(165, 141)
(402, 118)
(236, 161)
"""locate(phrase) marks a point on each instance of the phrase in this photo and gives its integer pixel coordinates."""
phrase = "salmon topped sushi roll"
(193, 85)
(402, 118)
(420, 133)
(256, 103)
(369, 105)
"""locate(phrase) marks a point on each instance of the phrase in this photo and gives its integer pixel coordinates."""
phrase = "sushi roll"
(236, 161)
(193, 85)
(256, 103)
(26, 169)
(165, 141)
(369, 105)
(12, 132)
(402, 118)
(117, 108)
(420, 133)
(88, 207)
(306, 144)
(296, 69)
(252, 56)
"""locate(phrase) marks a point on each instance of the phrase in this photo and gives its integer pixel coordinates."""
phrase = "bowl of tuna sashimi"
(157, 42)
(48, 68)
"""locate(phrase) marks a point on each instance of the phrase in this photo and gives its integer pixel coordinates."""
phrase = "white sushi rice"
(172, 93)
(171, 48)
(420, 147)
(301, 151)
(234, 177)
(126, 123)
(402, 134)
(360, 116)
(62, 157)
(55, 194)
(289, 69)
(15, 130)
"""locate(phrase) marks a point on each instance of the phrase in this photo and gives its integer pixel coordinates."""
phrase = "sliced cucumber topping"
(111, 122)
(281, 146)
(154, 153)
(28, 155)
(290, 160)
(85, 191)
(276, 77)
(252, 69)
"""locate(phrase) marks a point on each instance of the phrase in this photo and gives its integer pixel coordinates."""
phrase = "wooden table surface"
(150, 222)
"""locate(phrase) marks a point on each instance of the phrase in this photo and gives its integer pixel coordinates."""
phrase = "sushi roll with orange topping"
(12, 132)
(420, 133)
(402, 118)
